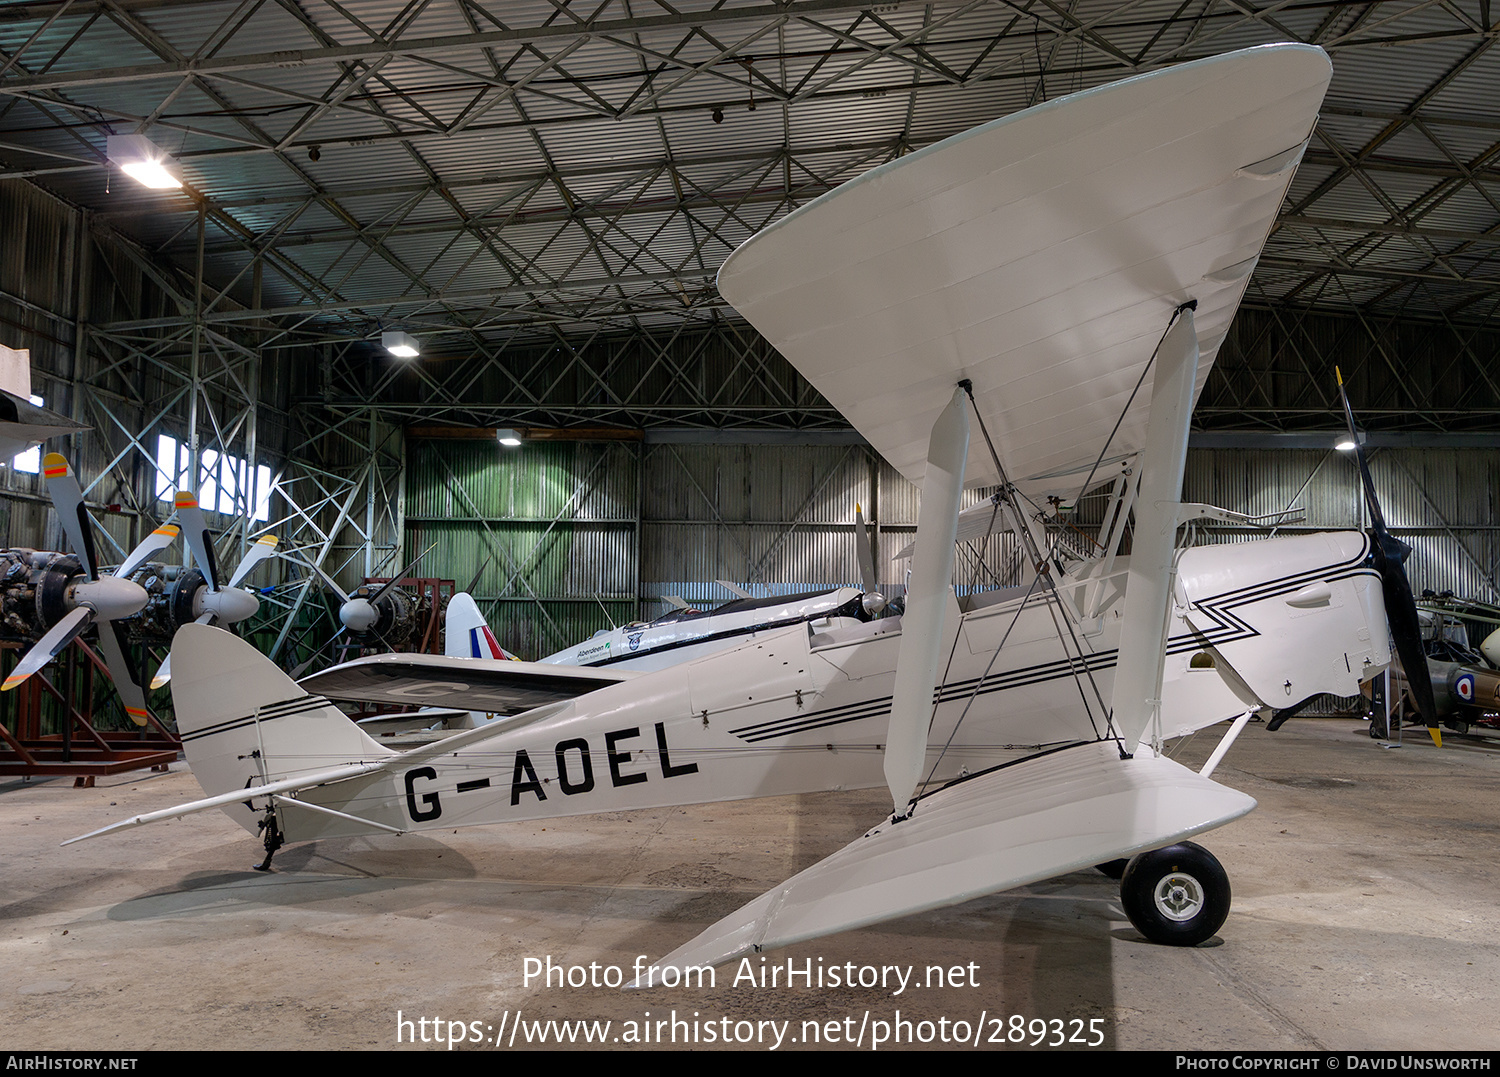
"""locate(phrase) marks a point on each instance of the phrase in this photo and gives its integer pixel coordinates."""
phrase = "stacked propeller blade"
(102, 598)
(1390, 555)
(227, 604)
(869, 583)
(197, 537)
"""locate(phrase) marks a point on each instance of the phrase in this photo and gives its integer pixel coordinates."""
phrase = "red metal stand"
(78, 748)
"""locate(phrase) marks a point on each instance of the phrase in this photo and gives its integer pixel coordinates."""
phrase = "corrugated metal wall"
(573, 536)
(60, 272)
(38, 294)
(551, 530)
(1445, 503)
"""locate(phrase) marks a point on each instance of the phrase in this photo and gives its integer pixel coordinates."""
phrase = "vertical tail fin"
(245, 722)
(468, 634)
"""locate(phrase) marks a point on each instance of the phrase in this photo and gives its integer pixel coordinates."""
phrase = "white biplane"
(1064, 275)
(679, 636)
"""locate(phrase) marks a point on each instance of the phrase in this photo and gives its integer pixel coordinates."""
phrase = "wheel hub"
(1179, 897)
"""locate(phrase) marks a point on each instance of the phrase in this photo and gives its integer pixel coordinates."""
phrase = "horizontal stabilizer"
(1019, 823)
(411, 721)
(428, 680)
(250, 734)
(287, 788)
(238, 796)
(23, 423)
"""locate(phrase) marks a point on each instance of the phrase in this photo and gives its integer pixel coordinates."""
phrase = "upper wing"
(469, 683)
(1040, 256)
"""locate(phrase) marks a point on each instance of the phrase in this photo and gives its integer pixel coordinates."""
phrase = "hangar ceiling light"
(401, 345)
(143, 161)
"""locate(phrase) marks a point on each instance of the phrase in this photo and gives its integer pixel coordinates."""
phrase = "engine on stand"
(377, 614)
(36, 585)
(172, 592)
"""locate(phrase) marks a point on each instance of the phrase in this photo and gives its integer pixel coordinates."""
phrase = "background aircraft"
(686, 633)
(1465, 682)
(676, 637)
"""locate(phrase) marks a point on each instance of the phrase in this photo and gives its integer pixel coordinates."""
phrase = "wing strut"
(1042, 563)
(922, 627)
(1137, 695)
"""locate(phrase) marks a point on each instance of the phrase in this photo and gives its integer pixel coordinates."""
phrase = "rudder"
(244, 722)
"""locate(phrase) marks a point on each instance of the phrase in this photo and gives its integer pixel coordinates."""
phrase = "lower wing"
(1019, 823)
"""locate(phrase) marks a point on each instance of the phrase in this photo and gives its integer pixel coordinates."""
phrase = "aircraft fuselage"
(802, 711)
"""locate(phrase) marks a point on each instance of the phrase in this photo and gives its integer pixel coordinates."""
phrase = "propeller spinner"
(214, 602)
(371, 613)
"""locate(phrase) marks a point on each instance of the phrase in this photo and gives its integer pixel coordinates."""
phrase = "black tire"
(1115, 869)
(1177, 896)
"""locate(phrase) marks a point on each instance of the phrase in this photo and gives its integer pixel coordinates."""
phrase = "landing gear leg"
(270, 837)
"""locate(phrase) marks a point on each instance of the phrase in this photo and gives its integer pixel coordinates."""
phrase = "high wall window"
(223, 479)
(31, 459)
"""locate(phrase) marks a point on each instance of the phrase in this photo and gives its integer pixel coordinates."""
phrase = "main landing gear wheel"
(1178, 896)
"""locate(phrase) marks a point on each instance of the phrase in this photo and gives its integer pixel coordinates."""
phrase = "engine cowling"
(1292, 617)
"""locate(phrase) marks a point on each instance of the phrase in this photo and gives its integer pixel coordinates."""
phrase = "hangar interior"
(541, 196)
(540, 193)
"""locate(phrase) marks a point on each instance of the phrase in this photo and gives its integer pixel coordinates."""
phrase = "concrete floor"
(1364, 918)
